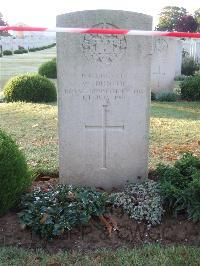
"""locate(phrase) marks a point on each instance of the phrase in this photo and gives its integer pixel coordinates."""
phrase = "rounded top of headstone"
(127, 19)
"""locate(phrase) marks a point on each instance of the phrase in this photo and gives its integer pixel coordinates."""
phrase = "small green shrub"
(32, 49)
(190, 88)
(25, 51)
(30, 88)
(7, 52)
(177, 184)
(48, 69)
(166, 97)
(189, 66)
(141, 202)
(42, 47)
(153, 96)
(51, 213)
(21, 51)
(14, 174)
(188, 164)
(18, 51)
(180, 78)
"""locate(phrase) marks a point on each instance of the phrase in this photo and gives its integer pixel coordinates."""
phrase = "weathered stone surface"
(104, 95)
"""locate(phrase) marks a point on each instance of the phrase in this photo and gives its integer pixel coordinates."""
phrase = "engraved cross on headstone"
(104, 127)
(159, 73)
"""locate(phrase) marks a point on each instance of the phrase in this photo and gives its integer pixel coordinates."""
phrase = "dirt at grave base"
(172, 231)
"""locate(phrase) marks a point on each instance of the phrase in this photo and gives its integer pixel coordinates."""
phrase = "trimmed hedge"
(166, 97)
(190, 88)
(42, 47)
(14, 174)
(48, 69)
(30, 88)
(21, 51)
(7, 52)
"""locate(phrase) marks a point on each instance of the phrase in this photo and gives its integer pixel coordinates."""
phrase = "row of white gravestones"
(104, 97)
(166, 63)
(192, 47)
(10, 43)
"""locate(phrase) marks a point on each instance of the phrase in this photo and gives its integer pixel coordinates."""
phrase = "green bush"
(25, 51)
(188, 164)
(153, 96)
(42, 47)
(141, 202)
(48, 69)
(30, 88)
(21, 51)
(180, 78)
(177, 185)
(14, 174)
(189, 66)
(18, 51)
(51, 213)
(7, 52)
(32, 49)
(166, 97)
(190, 88)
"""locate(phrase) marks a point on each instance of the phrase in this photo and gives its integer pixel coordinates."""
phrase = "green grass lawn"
(174, 130)
(152, 255)
(23, 63)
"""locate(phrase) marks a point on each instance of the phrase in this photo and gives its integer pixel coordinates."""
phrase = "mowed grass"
(174, 130)
(23, 63)
(152, 255)
(34, 127)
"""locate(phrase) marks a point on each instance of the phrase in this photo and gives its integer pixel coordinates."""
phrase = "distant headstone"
(164, 64)
(179, 49)
(104, 95)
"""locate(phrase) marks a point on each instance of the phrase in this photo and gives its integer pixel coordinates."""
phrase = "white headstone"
(104, 95)
(179, 49)
(164, 64)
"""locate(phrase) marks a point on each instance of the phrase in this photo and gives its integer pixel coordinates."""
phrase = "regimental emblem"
(104, 49)
(160, 45)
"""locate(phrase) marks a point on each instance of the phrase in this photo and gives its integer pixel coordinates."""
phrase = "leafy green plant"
(190, 88)
(177, 185)
(166, 97)
(7, 52)
(189, 66)
(141, 202)
(14, 174)
(30, 88)
(192, 198)
(51, 213)
(188, 164)
(48, 69)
